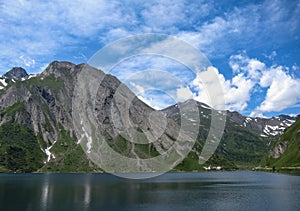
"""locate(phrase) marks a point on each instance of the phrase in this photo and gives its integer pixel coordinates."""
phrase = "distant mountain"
(16, 73)
(245, 140)
(37, 131)
(265, 126)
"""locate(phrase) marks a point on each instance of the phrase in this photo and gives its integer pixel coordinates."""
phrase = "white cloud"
(295, 67)
(206, 34)
(139, 90)
(249, 76)
(149, 102)
(237, 95)
(41, 29)
(183, 94)
(236, 92)
(283, 90)
(164, 14)
(210, 87)
(179, 51)
(28, 62)
(272, 55)
(33, 33)
(252, 68)
(152, 70)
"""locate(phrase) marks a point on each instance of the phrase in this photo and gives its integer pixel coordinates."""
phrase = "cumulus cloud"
(283, 90)
(183, 94)
(236, 92)
(250, 67)
(250, 75)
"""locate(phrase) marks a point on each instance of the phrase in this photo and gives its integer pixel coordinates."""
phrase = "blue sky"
(252, 45)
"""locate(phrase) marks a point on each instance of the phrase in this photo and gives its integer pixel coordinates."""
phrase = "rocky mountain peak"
(56, 65)
(16, 73)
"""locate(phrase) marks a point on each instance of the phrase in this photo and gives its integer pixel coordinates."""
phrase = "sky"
(253, 46)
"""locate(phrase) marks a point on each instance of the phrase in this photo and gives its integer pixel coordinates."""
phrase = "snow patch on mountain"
(48, 153)
(274, 130)
(205, 106)
(3, 83)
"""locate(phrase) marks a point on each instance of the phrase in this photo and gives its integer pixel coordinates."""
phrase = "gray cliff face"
(278, 150)
(285, 152)
(129, 126)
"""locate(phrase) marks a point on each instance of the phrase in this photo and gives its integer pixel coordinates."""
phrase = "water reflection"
(45, 192)
(209, 191)
(87, 192)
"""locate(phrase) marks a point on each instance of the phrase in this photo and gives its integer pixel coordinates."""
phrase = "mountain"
(245, 140)
(37, 105)
(42, 106)
(265, 126)
(37, 131)
(285, 152)
(16, 73)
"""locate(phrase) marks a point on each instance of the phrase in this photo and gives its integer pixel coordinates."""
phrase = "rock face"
(285, 151)
(43, 105)
(47, 98)
(16, 73)
(279, 149)
(128, 126)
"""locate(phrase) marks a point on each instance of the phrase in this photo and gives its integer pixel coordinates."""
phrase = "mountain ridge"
(42, 104)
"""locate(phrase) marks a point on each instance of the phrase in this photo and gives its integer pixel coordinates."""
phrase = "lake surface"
(243, 190)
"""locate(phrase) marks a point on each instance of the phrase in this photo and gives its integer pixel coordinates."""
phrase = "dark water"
(171, 191)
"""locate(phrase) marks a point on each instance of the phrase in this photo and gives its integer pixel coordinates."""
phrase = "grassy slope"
(241, 146)
(291, 157)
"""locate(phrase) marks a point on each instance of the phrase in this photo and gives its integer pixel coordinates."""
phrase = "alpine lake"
(239, 190)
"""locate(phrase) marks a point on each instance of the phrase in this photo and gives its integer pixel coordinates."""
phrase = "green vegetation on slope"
(69, 156)
(19, 149)
(11, 110)
(291, 156)
(241, 146)
(129, 149)
(50, 82)
(191, 162)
